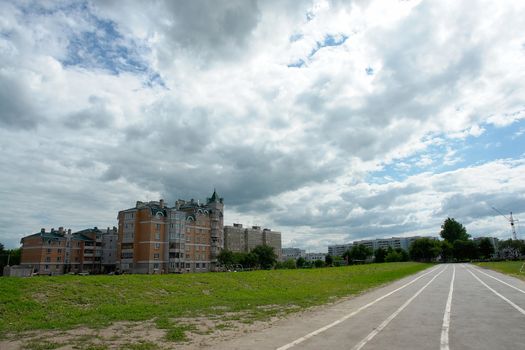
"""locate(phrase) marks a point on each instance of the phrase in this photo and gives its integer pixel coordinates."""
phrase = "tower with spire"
(216, 208)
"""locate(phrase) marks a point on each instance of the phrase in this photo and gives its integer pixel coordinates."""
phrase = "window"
(158, 227)
(125, 256)
(59, 251)
(157, 245)
(157, 236)
(188, 238)
(46, 267)
(156, 256)
(156, 266)
(57, 267)
(48, 250)
(198, 265)
(58, 258)
(48, 259)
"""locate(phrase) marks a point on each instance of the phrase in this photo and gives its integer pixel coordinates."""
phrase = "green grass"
(506, 267)
(64, 302)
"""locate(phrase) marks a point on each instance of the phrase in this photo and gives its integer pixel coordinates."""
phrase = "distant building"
(59, 251)
(315, 256)
(243, 240)
(292, 253)
(155, 238)
(394, 242)
(338, 249)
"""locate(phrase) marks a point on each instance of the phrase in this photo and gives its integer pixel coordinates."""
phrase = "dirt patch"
(200, 332)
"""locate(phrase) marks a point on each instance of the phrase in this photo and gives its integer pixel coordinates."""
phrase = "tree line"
(8, 256)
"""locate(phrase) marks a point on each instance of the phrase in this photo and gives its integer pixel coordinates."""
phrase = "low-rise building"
(56, 252)
(315, 256)
(292, 253)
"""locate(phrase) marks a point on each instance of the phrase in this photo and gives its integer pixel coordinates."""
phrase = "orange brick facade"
(58, 251)
(154, 238)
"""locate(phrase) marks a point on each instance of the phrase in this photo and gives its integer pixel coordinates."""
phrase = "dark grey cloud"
(470, 207)
(384, 199)
(17, 109)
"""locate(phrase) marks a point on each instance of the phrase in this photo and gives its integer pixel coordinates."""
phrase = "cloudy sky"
(330, 121)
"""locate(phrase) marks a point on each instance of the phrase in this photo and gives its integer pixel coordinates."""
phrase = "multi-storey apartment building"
(59, 251)
(394, 242)
(155, 238)
(239, 239)
(339, 249)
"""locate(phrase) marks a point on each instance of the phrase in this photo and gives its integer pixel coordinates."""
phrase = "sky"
(330, 121)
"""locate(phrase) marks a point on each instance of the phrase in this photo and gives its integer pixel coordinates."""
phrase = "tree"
(15, 256)
(1, 248)
(225, 257)
(465, 250)
(289, 264)
(329, 260)
(379, 255)
(266, 257)
(319, 263)
(447, 251)
(338, 261)
(301, 262)
(424, 249)
(486, 249)
(392, 256)
(451, 231)
(249, 260)
(511, 249)
(403, 254)
(358, 252)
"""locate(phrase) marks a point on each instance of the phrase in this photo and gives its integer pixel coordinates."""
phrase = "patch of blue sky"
(295, 37)
(369, 71)
(495, 143)
(103, 47)
(329, 40)
(297, 64)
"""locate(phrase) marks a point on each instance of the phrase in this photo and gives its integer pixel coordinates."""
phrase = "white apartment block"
(292, 253)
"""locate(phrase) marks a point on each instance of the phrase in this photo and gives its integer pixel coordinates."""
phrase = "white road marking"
(446, 318)
(344, 318)
(498, 294)
(497, 279)
(391, 317)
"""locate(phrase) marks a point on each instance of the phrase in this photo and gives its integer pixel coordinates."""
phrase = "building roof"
(51, 235)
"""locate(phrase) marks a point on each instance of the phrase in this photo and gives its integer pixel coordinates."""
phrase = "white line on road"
(497, 279)
(391, 317)
(498, 294)
(344, 318)
(446, 317)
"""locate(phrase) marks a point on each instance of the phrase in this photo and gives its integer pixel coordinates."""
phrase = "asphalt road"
(453, 306)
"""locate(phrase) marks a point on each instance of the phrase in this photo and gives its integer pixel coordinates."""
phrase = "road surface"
(450, 306)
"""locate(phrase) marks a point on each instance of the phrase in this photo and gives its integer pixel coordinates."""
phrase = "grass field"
(65, 302)
(506, 267)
